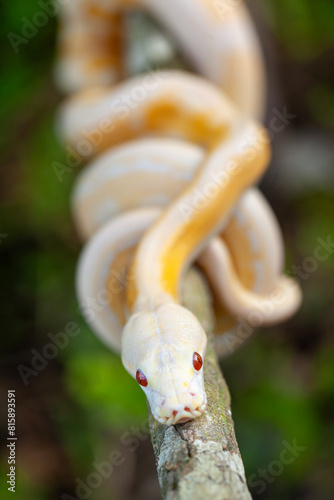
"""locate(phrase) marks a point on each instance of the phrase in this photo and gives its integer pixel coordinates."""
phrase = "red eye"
(197, 361)
(141, 379)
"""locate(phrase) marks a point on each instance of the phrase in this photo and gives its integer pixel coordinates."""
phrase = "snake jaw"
(181, 416)
(171, 407)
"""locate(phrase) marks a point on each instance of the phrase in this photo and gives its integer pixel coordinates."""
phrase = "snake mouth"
(183, 420)
(181, 416)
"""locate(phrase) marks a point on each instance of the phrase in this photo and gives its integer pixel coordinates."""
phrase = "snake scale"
(172, 163)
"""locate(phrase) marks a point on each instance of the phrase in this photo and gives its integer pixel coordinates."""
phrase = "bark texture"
(200, 459)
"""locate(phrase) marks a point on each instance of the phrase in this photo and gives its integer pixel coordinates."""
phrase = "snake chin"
(180, 415)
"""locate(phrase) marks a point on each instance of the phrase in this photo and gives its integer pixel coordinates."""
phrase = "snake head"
(163, 350)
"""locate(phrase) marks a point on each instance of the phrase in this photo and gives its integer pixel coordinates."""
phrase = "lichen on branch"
(200, 459)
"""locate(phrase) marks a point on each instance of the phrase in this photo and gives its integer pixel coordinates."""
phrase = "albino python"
(172, 185)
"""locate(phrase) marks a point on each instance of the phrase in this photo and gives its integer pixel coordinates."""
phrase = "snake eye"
(141, 379)
(197, 361)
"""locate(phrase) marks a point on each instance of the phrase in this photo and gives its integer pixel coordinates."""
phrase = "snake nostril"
(174, 413)
(187, 409)
(192, 394)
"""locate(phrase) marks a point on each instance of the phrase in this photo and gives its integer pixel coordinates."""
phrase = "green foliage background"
(282, 383)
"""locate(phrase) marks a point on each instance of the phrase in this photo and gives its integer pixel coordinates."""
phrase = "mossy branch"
(200, 459)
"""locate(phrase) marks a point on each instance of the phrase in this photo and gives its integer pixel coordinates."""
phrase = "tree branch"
(200, 459)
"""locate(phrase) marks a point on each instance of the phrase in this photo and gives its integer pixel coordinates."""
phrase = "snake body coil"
(172, 184)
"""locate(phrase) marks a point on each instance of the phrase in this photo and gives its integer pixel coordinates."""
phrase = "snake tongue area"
(183, 420)
(184, 415)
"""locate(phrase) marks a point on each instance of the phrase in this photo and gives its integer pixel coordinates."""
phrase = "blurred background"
(79, 408)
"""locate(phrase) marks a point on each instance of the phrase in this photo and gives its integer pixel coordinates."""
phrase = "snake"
(172, 162)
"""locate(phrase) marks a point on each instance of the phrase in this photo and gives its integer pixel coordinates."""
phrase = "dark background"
(78, 408)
